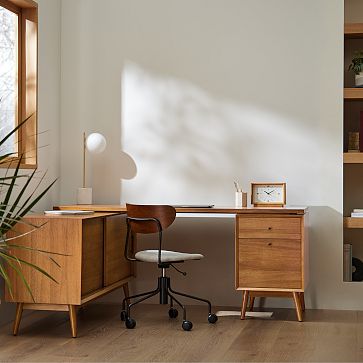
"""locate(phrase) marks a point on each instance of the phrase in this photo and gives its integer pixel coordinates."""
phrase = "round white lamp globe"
(96, 143)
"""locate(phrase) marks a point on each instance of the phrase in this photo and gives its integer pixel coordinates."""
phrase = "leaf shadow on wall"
(189, 146)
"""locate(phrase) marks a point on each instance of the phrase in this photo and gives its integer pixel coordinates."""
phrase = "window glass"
(8, 77)
(31, 87)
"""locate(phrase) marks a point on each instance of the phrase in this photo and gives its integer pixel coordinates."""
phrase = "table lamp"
(95, 143)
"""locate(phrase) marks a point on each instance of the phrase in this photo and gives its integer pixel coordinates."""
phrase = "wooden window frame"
(27, 139)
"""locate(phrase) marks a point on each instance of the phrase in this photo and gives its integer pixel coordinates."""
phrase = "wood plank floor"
(325, 336)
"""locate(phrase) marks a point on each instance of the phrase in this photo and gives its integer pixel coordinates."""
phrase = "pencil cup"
(84, 196)
(244, 200)
(240, 199)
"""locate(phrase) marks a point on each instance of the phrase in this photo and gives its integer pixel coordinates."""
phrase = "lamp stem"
(84, 160)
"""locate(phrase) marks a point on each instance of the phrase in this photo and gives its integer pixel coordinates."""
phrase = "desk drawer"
(269, 263)
(269, 227)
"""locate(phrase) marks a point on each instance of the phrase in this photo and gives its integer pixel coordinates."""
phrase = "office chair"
(146, 219)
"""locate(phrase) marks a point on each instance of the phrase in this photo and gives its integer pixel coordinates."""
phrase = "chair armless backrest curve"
(164, 213)
(146, 219)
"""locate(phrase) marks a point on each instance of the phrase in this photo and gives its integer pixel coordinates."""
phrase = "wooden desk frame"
(279, 231)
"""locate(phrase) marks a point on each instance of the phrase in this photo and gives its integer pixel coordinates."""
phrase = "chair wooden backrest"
(147, 219)
(165, 214)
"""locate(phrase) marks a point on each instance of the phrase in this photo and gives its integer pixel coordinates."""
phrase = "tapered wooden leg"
(73, 320)
(252, 303)
(302, 301)
(297, 305)
(244, 304)
(18, 314)
(126, 291)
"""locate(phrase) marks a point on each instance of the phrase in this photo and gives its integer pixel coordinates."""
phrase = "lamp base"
(84, 196)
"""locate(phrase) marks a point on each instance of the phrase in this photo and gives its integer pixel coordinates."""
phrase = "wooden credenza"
(272, 257)
(89, 250)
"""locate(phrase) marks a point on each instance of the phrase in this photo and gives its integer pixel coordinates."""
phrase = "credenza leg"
(244, 304)
(252, 303)
(302, 301)
(73, 320)
(18, 314)
(297, 302)
(126, 291)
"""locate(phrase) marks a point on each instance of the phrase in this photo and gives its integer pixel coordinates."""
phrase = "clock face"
(268, 194)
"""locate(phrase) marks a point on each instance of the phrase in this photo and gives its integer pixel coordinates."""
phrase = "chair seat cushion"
(166, 256)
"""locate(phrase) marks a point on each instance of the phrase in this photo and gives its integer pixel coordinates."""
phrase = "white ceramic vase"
(359, 80)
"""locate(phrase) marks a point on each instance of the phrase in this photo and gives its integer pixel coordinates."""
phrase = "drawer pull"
(270, 228)
(270, 244)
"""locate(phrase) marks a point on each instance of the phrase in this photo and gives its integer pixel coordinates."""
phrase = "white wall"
(49, 96)
(200, 93)
(353, 11)
(48, 109)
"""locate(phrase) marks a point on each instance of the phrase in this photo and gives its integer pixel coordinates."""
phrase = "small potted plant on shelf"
(357, 67)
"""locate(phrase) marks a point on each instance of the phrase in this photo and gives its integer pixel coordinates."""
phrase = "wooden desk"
(271, 250)
(92, 263)
(215, 210)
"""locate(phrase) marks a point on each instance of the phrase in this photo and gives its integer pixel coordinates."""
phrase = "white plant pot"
(359, 80)
(84, 196)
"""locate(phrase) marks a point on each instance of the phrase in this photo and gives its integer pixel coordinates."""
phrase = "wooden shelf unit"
(350, 222)
(353, 38)
(353, 158)
(353, 30)
(353, 94)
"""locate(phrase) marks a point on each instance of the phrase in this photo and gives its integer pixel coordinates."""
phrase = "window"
(18, 78)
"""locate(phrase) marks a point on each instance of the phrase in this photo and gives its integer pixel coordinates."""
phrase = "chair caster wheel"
(187, 325)
(212, 318)
(130, 323)
(173, 313)
(123, 315)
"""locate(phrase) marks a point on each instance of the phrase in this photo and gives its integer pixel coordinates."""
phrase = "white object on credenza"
(95, 143)
(84, 196)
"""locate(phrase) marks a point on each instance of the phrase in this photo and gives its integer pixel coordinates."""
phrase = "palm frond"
(8, 256)
(21, 275)
(15, 202)
(37, 250)
(14, 130)
(5, 276)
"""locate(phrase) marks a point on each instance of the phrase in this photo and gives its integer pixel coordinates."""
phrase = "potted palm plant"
(357, 67)
(15, 202)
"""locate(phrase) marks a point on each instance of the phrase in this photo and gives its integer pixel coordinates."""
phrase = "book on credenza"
(347, 262)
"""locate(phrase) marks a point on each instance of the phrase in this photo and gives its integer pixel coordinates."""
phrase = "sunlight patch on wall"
(189, 146)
